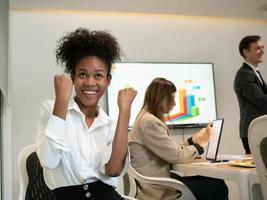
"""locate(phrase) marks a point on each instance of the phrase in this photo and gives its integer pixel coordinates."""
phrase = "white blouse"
(70, 152)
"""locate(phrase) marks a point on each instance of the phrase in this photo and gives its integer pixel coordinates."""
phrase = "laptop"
(214, 143)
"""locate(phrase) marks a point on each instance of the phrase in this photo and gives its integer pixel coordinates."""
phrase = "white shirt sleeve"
(50, 140)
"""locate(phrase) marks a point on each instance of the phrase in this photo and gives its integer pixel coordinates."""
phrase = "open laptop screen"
(214, 142)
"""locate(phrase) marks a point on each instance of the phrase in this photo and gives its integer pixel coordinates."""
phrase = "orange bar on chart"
(182, 98)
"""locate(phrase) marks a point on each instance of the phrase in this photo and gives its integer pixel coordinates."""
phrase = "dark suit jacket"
(251, 95)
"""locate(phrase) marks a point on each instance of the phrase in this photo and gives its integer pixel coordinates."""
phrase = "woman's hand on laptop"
(203, 136)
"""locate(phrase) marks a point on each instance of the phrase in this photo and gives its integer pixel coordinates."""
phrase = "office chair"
(257, 138)
(32, 184)
(129, 185)
(135, 176)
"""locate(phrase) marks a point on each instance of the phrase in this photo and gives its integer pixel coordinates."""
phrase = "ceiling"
(249, 9)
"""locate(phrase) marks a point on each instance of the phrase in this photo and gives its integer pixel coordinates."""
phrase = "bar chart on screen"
(194, 97)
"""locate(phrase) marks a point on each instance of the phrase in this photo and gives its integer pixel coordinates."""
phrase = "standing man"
(250, 88)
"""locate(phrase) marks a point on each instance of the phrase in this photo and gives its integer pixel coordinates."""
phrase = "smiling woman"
(79, 147)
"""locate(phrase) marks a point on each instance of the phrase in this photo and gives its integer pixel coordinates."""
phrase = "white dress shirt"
(70, 152)
(255, 69)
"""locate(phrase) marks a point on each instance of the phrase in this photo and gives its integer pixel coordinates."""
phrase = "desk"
(245, 178)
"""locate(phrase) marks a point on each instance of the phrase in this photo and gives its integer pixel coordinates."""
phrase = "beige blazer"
(152, 151)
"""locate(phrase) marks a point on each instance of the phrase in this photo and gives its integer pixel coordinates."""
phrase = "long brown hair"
(158, 93)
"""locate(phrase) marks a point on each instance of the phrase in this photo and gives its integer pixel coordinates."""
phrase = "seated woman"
(153, 150)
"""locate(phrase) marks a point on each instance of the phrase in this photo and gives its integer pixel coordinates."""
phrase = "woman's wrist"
(190, 141)
(199, 148)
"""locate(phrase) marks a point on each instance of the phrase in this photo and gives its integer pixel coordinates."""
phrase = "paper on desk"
(208, 163)
(233, 157)
(243, 163)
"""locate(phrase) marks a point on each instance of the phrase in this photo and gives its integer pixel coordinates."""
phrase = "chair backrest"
(257, 137)
(32, 184)
(186, 193)
(23, 176)
(123, 188)
(129, 185)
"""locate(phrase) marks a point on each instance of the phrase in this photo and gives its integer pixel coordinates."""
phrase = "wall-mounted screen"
(195, 96)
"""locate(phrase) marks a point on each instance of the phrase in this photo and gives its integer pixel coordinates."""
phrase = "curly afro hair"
(81, 43)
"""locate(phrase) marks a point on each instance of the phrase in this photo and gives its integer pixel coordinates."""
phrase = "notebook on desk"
(214, 143)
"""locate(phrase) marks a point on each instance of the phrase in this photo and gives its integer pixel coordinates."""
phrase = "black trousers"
(90, 191)
(205, 188)
(246, 145)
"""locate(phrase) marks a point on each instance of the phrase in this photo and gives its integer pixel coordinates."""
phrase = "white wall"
(6, 148)
(4, 44)
(143, 38)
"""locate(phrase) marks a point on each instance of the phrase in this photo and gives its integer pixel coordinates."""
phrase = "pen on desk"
(219, 161)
